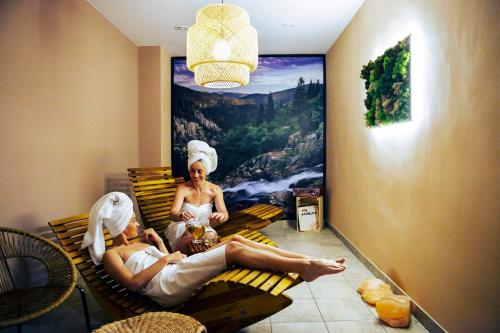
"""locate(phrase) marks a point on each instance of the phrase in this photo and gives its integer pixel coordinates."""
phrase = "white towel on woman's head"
(201, 151)
(113, 211)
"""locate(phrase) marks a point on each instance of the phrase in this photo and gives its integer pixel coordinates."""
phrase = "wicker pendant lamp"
(222, 47)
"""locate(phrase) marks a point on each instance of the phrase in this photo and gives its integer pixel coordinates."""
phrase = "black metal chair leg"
(19, 328)
(85, 308)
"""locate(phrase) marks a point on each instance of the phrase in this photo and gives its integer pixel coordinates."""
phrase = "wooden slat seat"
(236, 298)
(154, 189)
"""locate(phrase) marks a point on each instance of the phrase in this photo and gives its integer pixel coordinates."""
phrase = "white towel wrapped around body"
(176, 283)
(175, 230)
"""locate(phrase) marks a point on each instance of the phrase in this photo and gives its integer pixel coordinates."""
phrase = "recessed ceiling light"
(287, 25)
(181, 27)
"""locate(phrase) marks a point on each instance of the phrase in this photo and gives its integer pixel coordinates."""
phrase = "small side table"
(310, 201)
(155, 322)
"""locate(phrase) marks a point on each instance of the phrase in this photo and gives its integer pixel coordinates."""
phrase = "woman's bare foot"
(320, 267)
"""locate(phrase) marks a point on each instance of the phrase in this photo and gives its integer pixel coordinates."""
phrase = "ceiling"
(316, 23)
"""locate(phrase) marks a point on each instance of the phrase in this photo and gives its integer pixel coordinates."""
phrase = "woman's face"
(133, 225)
(197, 172)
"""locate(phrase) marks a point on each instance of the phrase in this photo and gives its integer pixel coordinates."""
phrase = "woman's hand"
(150, 236)
(186, 238)
(175, 257)
(183, 243)
(187, 215)
(216, 218)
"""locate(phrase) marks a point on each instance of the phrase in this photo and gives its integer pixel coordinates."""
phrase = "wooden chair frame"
(234, 299)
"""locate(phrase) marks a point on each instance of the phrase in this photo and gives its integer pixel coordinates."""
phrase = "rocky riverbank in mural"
(267, 143)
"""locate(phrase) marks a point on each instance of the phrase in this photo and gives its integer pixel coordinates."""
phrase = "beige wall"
(68, 101)
(166, 84)
(421, 199)
(154, 106)
(150, 105)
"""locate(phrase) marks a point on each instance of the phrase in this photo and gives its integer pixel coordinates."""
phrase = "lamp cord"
(221, 28)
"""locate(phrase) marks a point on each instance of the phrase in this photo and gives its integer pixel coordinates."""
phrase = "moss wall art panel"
(387, 84)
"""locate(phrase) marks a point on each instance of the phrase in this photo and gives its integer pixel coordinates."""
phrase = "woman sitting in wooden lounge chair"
(194, 199)
(171, 278)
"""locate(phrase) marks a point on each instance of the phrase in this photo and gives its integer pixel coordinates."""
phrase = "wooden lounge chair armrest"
(258, 225)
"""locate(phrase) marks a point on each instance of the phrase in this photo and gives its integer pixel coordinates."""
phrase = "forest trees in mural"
(269, 135)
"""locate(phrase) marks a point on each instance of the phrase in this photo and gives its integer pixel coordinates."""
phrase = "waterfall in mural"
(269, 135)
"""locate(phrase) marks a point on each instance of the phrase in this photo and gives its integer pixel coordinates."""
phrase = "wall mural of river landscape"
(269, 135)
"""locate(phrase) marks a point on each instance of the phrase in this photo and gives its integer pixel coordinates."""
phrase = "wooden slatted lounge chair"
(236, 298)
(154, 189)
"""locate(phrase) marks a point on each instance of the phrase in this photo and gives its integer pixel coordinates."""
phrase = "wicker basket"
(155, 322)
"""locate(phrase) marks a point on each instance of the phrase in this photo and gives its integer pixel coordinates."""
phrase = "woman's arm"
(150, 236)
(161, 246)
(175, 211)
(221, 215)
(114, 266)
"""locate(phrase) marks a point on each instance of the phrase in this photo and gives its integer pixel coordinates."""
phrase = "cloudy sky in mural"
(272, 74)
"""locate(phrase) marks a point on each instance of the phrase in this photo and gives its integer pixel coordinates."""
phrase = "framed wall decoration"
(269, 135)
(387, 84)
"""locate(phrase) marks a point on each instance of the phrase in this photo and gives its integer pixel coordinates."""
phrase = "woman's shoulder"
(123, 251)
(213, 187)
(113, 252)
(120, 249)
(185, 187)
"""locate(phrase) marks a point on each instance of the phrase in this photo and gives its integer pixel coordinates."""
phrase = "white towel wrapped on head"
(113, 211)
(201, 151)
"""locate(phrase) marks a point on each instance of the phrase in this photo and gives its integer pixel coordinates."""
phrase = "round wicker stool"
(20, 305)
(155, 322)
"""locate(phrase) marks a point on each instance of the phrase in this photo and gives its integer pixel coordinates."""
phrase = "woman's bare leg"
(272, 249)
(269, 248)
(309, 269)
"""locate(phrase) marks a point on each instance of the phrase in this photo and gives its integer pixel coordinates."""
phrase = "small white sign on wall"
(307, 217)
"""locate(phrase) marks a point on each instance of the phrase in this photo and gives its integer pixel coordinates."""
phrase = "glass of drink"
(210, 237)
(196, 230)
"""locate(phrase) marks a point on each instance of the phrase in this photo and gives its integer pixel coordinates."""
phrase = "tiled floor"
(328, 305)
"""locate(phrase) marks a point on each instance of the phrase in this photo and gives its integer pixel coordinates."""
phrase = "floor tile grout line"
(319, 310)
(351, 284)
(356, 291)
(431, 325)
